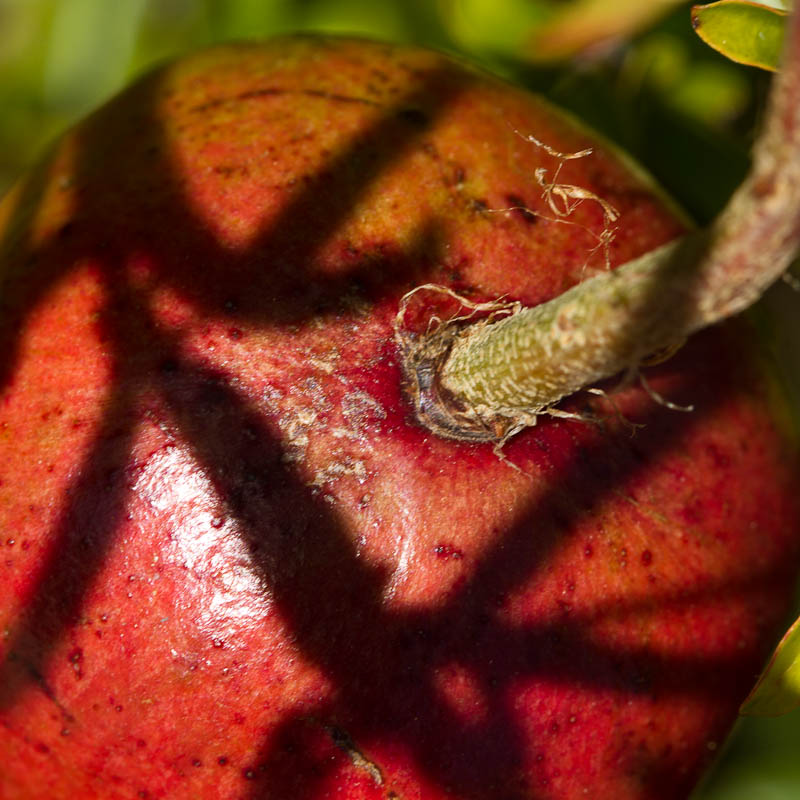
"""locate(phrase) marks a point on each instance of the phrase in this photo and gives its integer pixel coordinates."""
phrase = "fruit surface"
(232, 565)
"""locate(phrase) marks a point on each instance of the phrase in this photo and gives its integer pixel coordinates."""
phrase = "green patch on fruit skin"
(778, 689)
(746, 32)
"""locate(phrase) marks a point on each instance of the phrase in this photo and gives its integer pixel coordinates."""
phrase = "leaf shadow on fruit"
(94, 505)
(189, 255)
(276, 265)
(382, 662)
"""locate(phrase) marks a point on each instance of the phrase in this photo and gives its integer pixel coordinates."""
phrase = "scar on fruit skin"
(344, 742)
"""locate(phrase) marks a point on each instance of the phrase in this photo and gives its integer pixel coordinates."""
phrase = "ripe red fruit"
(232, 564)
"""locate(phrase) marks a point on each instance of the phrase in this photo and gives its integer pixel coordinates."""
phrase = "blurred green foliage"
(747, 32)
(653, 87)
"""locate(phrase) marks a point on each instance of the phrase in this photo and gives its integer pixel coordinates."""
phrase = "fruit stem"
(497, 376)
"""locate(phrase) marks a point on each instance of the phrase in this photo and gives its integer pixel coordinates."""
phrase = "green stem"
(498, 376)
(596, 329)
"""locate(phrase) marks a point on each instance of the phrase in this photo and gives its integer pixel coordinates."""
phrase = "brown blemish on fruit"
(520, 210)
(448, 551)
(274, 91)
(343, 741)
(76, 662)
(229, 171)
(456, 177)
(340, 98)
(479, 206)
(354, 468)
(361, 411)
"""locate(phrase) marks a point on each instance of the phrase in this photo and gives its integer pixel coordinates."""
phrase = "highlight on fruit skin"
(235, 566)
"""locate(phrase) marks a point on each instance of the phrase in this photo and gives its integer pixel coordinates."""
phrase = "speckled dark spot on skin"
(229, 171)
(339, 98)
(458, 175)
(252, 94)
(447, 551)
(479, 206)
(430, 149)
(521, 211)
(75, 659)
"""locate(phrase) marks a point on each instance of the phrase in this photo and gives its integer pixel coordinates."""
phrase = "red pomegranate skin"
(233, 566)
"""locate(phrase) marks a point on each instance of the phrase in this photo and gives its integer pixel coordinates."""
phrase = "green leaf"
(778, 689)
(750, 33)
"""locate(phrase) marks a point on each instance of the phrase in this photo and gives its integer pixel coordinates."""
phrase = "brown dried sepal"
(423, 354)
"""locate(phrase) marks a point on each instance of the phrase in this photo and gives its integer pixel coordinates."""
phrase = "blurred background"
(633, 70)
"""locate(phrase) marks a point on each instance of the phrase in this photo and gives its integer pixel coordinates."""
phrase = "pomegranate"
(233, 563)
